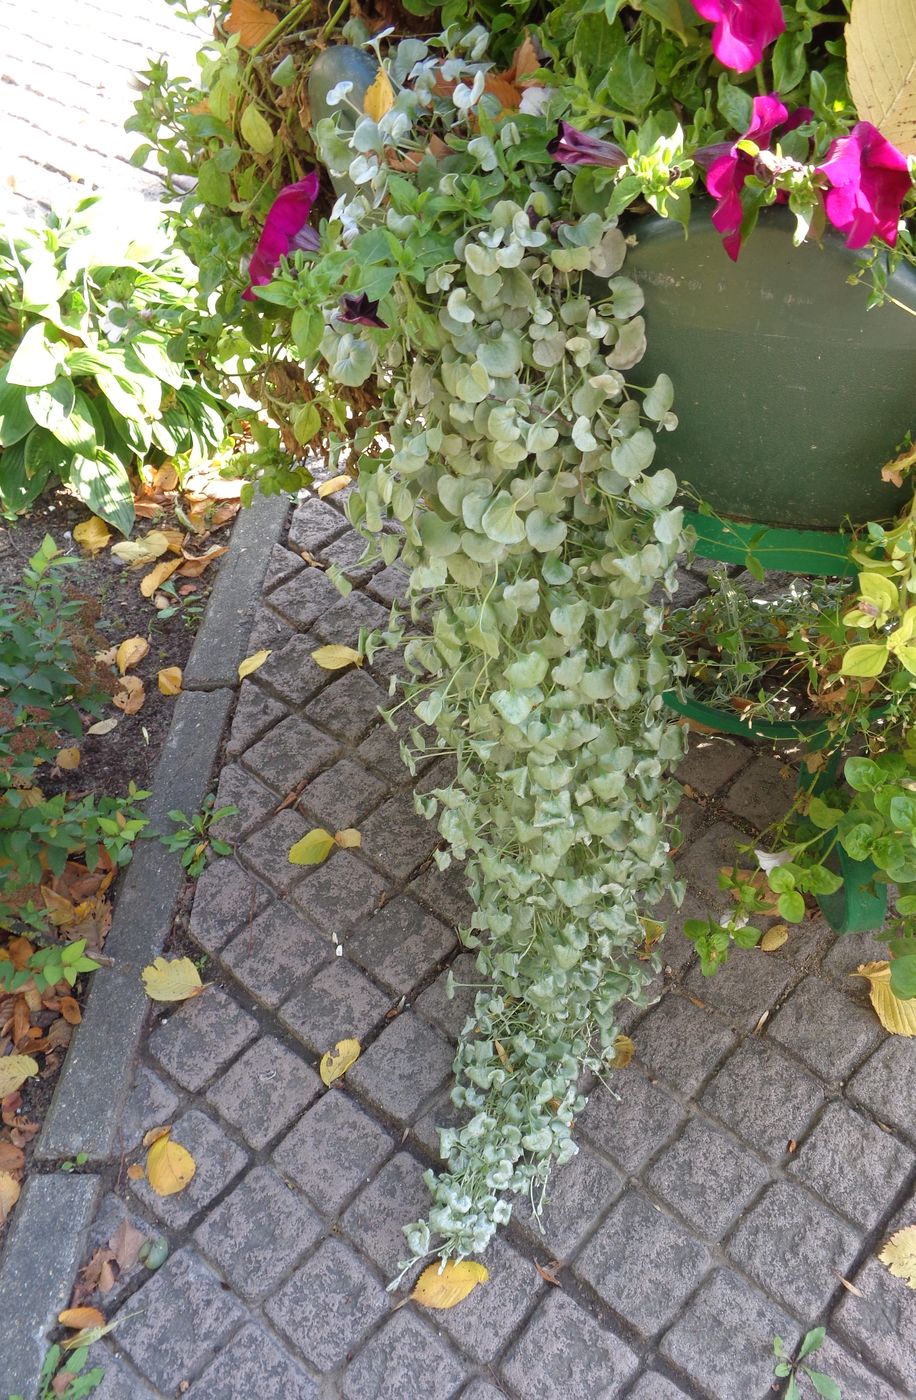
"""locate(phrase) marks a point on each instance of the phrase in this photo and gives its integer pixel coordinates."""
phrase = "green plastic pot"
(339, 64)
(790, 393)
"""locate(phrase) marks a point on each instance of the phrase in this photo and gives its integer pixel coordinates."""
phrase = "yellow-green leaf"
(444, 1285)
(92, 534)
(379, 97)
(314, 847)
(172, 980)
(624, 1050)
(895, 1015)
(336, 1062)
(131, 650)
(899, 1254)
(881, 67)
(251, 663)
(142, 551)
(257, 130)
(336, 483)
(335, 658)
(348, 839)
(869, 659)
(774, 938)
(880, 591)
(14, 1071)
(169, 1166)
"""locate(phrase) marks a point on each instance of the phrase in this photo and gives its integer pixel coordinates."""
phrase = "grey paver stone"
(701, 862)
(314, 524)
(337, 1004)
(217, 1158)
(578, 1194)
(278, 950)
(645, 1284)
(118, 1382)
(707, 1178)
(375, 1221)
(290, 674)
(342, 623)
(268, 631)
(881, 1325)
(795, 1247)
(852, 1164)
(856, 1380)
(150, 1103)
(254, 802)
(346, 552)
(255, 713)
(253, 1365)
(266, 851)
(200, 1037)
(691, 818)
(281, 565)
(445, 892)
(450, 1013)
(332, 1151)
(264, 1091)
(349, 707)
(396, 838)
(630, 1120)
(403, 1068)
(258, 1233)
(382, 750)
(711, 762)
(826, 1029)
(329, 1305)
(681, 1043)
(564, 1351)
(764, 1097)
(178, 1321)
(389, 1364)
(390, 586)
(724, 1339)
(401, 944)
(652, 1386)
(489, 1316)
(289, 754)
(845, 955)
(225, 898)
(304, 598)
(750, 983)
(886, 1084)
(763, 792)
(341, 795)
(339, 893)
(482, 1390)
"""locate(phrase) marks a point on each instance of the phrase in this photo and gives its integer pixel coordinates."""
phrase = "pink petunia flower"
(286, 228)
(869, 179)
(742, 29)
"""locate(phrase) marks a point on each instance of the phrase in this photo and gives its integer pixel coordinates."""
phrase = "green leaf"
(19, 488)
(35, 361)
(307, 329)
(257, 130)
(78, 431)
(44, 454)
(811, 1342)
(52, 405)
(791, 906)
(501, 522)
(659, 399)
(103, 485)
(214, 185)
(15, 418)
(544, 534)
(825, 1386)
(306, 422)
(675, 15)
(632, 456)
(903, 976)
(863, 774)
(822, 816)
(866, 660)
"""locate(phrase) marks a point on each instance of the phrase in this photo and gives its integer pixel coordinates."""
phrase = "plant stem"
(332, 22)
(285, 23)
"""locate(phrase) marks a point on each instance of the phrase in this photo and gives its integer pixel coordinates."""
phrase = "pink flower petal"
(284, 225)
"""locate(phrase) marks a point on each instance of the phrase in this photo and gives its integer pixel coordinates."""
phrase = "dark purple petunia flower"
(869, 180)
(286, 229)
(359, 311)
(742, 29)
(572, 147)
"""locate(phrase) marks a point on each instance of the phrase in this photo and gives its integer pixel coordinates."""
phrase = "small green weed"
(57, 1366)
(193, 838)
(785, 1366)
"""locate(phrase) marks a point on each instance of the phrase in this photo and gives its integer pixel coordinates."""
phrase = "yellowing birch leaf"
(142, 551)
(348, 839)
(130, 695)
(895, 1015)
(251, 663)
(444, 1285)
(169, 1167)
(249, 22)
(379, 97)
(157, 576)
(774, 937)
(81, 1317)
(9, 1194)
(68, 759)
(131, 650)
(624, 1050)
(881, 67)
(314, 847)
(14, 1071)
(92, 535)
(169, 680)
(899, 1254)
(335, 658)
(103, 726)
(336, 1062)
(174, 980)
(335, 483)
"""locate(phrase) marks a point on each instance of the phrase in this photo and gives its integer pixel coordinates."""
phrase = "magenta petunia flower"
(572, 147)
(286, 228)
(869, 180)
(358, 310)
(742, 29)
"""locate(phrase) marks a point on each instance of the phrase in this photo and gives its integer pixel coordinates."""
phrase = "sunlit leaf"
(171, 980)
(348, 839)
(335, 483)
(169, 680)
(130, 652)
(313, 848)
(379, 97)
(14, 1071)
(130, 695)
(899, 1254)
(881, 67)
(443, 1285)
(251, 663)
(337, 1061)
(169, 1167)
(92, 535)
(335, 658)
(142, 551)
(157, 576)
(896, 1016)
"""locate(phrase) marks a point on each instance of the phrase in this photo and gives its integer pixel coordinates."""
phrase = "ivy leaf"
(336, 1062)
(444, 1285)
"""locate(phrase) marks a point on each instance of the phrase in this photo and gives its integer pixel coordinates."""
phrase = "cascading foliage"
(515, 452)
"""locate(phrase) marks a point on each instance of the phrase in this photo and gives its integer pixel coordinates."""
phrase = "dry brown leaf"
(9, 1194)
(14, 1071)
(443, 1285)
(249, 22)
(154, 1134)
(195, 564)
(12, 1159)
(130, 695)
(526, 60)
(169, 680)
(158, 575)
(78, 1318)
(165, 478)
(92, 535)
(348, 839)
(169, 1167)
(125, 1245)
(70, 1010)
(899, 1254)
(253, 663)
(548, 1271)
(130, 652)
(502, 1053)
(896, 1015)
(135, 1172)
(337, 1061)
(172, 980)
(379, 97)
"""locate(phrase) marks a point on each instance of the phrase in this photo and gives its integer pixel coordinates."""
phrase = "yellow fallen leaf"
(336, 1062)
(624, 1050)
(81, 1317)
(774, 938)
(169, 1166)
(314, 847)
(92, 535)
(444, 1285)
(249, 22)
(379, 97)
(174, 980)
(131, 650)
(335, 658)
(135, 1172)
(899, 1254)
(169, 680)
(130, 695)
(165, 478)
(68, 759)
(142, 551)
(251, 663)
(158, 575)
(14, 1071)
(348, 839)
(895, 1015)
(103, 726)
(335, 483)
(154, 1134)
(9, 1194)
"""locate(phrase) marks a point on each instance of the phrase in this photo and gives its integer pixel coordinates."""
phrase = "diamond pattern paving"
(758, 1150)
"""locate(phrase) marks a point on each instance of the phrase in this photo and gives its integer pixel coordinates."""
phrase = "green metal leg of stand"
(860, 904)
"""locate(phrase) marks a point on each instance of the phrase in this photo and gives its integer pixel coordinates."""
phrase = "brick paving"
(755, 1155)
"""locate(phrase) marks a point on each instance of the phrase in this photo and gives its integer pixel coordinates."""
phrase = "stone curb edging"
(46, 1238)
